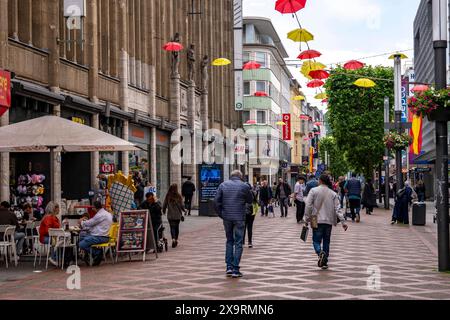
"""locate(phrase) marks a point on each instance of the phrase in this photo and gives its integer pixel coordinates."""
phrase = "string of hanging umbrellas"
(315, 71)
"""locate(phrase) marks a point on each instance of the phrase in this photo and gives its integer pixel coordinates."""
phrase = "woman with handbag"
(173, 205)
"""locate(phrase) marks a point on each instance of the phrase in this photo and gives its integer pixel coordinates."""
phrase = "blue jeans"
(87, 242)
(54, 255)
(322, 235)
(234, 231)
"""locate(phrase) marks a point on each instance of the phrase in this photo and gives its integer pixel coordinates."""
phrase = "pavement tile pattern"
(279, 267)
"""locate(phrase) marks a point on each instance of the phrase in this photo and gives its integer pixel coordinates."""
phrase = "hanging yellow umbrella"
(365, 83)
(309, 66)
(280, 123)
(300, 35)
(299, 98)
(402, 56)
(221, 62)
(321, 96)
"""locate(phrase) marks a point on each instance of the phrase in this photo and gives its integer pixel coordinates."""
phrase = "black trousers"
(300, 210)
(174, 229)
(188, 203)
(249, 220)
(355, 207)
(284, 207)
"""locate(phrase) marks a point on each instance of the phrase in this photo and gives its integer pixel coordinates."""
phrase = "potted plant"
(433, 104)
(397, 141)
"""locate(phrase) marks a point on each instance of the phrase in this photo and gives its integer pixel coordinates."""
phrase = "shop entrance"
(75, 176)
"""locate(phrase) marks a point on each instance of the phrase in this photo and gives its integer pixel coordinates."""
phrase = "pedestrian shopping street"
(279, 267)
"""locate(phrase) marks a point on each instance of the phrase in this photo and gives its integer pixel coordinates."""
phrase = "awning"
(37, 92)
(427, 158)
(82, 104)
(54, 133)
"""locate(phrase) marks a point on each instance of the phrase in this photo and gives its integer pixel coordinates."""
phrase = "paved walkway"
(279, 267)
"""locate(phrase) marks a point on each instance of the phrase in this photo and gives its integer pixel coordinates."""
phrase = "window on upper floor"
(245, 116)
(246, 57)
(261, 86)
(246, 88)
(261, 117)
(261, 58)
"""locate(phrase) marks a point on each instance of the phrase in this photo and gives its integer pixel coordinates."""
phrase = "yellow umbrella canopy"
(221, 62)
(402, 56)
(321, 96)
(299, 98)
(365, 83)
(280, 123)
(300, 35)
(309, 66)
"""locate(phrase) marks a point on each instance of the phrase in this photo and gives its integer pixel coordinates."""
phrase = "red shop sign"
(5, 91)
(107, 168)
(287, 128)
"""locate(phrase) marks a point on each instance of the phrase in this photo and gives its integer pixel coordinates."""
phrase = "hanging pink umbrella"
(304, 117)
(261, 94)
(251, 122)
(252, 65)
(309, 54)
(315, 84)
(353, 65)
(319, 74)
(173, 46)
(289, 6)
(420, 88)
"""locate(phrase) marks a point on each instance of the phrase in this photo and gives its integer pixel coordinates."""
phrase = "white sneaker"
(53, 262)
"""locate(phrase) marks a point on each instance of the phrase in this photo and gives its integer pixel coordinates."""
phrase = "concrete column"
(192, 116)
(14, 17)
(152, 113)
(153, 173)
(4, 120)
(125, 155)
(56, 178)
(53, 59)
(93, 50)
(175, 111)
(95, 156)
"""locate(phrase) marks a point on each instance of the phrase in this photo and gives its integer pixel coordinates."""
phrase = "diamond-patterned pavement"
(279, 267)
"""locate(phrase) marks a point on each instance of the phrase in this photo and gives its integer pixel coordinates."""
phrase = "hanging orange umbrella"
(309, 54)
(173, 46)
(289, 6)
(252, 65)
(353, 65)
(319, 74)
(315, 84)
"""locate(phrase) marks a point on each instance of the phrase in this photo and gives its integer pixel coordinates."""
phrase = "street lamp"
(440, 39)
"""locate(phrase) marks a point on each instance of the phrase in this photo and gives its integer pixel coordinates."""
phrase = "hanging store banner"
(238, 54)
(5, 91)
(287, 129)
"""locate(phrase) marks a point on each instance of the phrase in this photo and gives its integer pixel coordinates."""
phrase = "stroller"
(162, 243)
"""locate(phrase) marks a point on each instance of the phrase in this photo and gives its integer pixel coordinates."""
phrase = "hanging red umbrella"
(252, 65)
(325, 101)
(318, 124)
(304, 117)
(289, 6)
(353, 65)
(309, 54)
(261, 94)
(251, 122)
(319, 74)
(173, 46)
(420, 88)
(315, 84)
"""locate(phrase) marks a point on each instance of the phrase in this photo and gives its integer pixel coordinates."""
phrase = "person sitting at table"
(97, 230)
(50, 221)
(8, 218)
(28, 212)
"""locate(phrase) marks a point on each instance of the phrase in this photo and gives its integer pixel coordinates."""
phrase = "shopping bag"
(304, 234)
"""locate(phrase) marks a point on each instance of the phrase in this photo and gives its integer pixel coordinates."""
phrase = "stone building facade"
(108, 70)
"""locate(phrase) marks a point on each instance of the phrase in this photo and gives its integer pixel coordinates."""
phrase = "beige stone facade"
(115, 64)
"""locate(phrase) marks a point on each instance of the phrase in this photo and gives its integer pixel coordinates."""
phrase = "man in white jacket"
(323, 203)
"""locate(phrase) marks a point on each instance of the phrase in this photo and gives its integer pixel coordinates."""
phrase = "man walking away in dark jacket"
(312, 183)
(231, 202)
(353, 189)
(188, 191)
(265, 197)
(283, 195)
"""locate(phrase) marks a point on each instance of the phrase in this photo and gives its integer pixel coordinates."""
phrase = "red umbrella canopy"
(353, 65)
(309, 54)
(304, 117)
(173, 46)
(319, 74)
(318, 124)
(289, 6)
(252, 65)
(251, 122)
(261, 94)
(315, 84)
(325, 101)
(420, 88)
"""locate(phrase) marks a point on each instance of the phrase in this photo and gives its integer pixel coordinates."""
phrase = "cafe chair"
(111, 245)
(8, 245)
(31, 238)
(60, 240)
(38, 248)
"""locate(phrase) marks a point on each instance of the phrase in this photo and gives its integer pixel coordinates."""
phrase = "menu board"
(133, 231)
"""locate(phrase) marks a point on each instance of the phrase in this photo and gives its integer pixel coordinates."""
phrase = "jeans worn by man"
(19, 237)
(322, 239)
(230, 202)
(87, 242)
